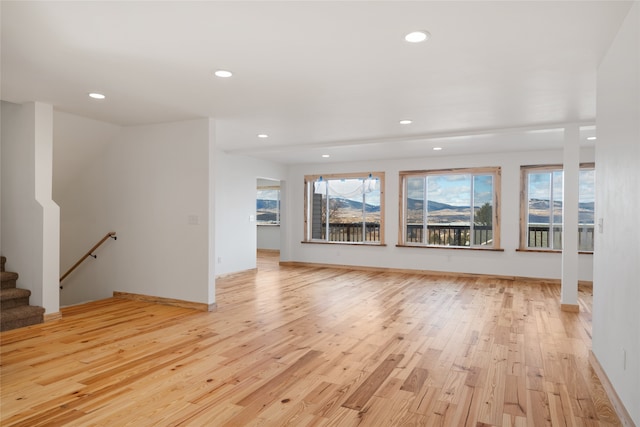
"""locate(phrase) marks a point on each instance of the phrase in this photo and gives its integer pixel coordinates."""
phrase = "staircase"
(15, 311)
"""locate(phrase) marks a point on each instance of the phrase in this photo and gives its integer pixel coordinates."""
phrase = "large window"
(268, 206)
(454, 207)
(542, 207)
(345, 208)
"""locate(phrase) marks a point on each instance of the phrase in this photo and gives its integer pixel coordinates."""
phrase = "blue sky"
(453, 189)
(268, 194)
(351, 189)
(587, 185)
(539, 185)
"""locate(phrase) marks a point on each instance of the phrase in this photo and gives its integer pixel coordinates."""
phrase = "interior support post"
(571, 167)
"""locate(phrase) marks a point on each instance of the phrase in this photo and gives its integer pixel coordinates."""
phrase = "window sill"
(463, 248)
(551, 251)
(268, 225)
(320, 242)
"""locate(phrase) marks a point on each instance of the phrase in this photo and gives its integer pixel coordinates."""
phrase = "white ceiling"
(319, 77)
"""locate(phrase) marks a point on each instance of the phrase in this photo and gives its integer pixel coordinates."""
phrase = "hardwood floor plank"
(415, 380)
(515, 396)
(453, 386)
(383, 412)
(492, 406)
(538, 404)
(361, 396)
(389, 388)
(309, 346)
(279, 380)
(469, 406)
(425, 401)
(556, 410)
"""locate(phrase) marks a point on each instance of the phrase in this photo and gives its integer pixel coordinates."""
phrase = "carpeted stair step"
(8, 279)
(15, 311)
(13, 297)
(19, 317)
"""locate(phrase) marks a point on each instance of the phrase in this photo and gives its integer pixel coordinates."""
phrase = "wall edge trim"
(165, 301)
(427, 272)
(50, 317)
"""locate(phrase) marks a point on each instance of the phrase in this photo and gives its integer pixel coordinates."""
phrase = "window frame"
(309, 181)
(525, 170)
(495, 171)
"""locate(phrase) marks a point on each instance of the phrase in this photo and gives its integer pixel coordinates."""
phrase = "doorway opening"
(268, 221)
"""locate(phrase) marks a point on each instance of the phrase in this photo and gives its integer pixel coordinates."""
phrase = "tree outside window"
(344, 208)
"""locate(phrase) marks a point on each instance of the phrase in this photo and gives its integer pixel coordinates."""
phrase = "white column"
(571, 161)
(284, 222)
(43, 158)
(30, 225)
(211, 220)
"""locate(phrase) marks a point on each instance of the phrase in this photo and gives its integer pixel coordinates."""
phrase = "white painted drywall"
(509, 262)
(616, 318)
(159, 179)
(268, 237)
(30, 218)
(236, 238)
(152, 186)
(79, 149)
(78, 144)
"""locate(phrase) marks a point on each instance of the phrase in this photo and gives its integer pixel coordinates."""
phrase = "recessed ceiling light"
(406, 122)
(592, 138)
(417, 36)
(326, 156)
(96, 95)
(437, 148)
(223, 73)
(263, 135)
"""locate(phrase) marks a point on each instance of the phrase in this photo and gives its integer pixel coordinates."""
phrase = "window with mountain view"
(542, 207)
(453, 207)
(344, 208)
(268, 206)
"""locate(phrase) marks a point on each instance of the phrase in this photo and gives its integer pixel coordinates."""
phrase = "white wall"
(80, 146)
(236, 238)
(616, 322)
(78, 143)
(147, 186)
(30, 218)
(509, 262)
(269, 237)
(144, 183)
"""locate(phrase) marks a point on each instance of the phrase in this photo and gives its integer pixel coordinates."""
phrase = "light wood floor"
(310, 346)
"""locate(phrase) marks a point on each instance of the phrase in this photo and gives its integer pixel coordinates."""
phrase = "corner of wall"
(30, 219)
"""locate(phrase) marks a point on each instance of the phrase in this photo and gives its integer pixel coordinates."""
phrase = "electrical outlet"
(219, 260)
(624, 359)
